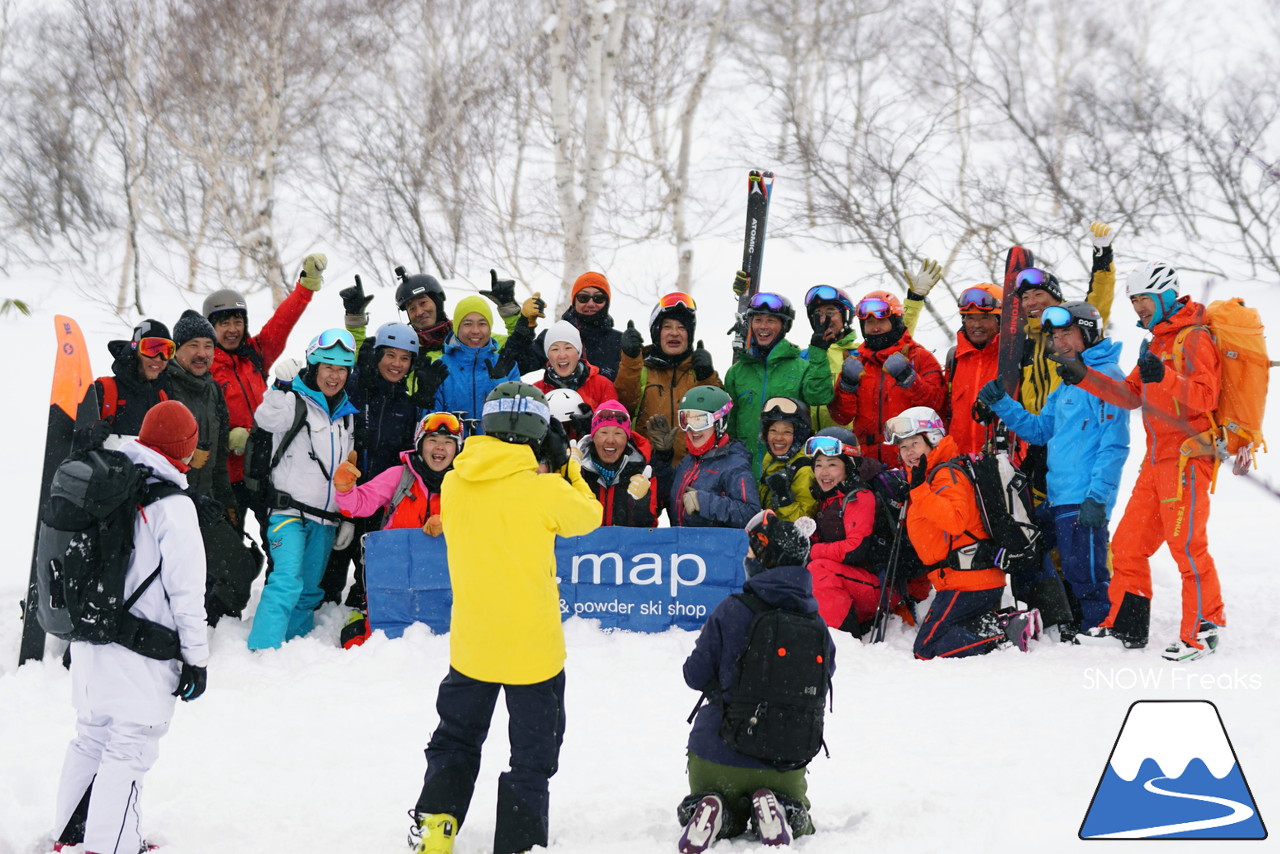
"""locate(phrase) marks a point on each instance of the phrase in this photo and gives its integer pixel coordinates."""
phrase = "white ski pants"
(114, 756)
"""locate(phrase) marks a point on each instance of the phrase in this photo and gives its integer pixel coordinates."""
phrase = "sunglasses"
(584, 298)
(1055, 317)
(676, 298)
(876, 308)
(767, 302)
(780, 406)
(830, 446)
(902, 427)
(978, 299)
(156, 348)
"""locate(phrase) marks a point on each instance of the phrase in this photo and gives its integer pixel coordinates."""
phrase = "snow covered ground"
(318, 748)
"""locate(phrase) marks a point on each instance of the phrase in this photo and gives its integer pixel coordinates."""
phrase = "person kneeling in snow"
(732, 790)
(408, 493)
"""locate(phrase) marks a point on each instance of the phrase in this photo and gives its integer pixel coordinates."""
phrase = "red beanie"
(591, 280)
(171, 429)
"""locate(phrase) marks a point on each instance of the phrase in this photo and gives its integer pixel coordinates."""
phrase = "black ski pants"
(536, 731)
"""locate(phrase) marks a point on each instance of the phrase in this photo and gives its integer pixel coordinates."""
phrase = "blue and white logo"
(1173, 774)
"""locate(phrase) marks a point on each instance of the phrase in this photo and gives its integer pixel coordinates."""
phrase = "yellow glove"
(1101, 235)
(691, 502)
(741, 282)
(344, 479)
(434, 526)
(575, 453)
(198, 459)
(237, 439)
(923, 281)
(533, 308)
(638, 486)
(312, 267)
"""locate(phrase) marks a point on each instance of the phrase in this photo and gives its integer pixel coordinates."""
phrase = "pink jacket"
(368, 498)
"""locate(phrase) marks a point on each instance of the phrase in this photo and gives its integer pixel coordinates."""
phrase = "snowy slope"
(314, 747)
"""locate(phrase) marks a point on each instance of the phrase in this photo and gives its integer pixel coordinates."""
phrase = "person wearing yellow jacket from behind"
(500, 519)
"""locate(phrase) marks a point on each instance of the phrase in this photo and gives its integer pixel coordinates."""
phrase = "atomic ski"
(1013, 328)
(759, 191)
(72, 394)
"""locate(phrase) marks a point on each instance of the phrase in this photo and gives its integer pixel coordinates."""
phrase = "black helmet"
(774, 305)
(849, 450)
(791, 411)
(676, 305)
(1081, 315)
(419, 284)
(516, 412)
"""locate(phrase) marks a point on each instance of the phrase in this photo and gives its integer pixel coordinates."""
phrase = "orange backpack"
(1242, 350)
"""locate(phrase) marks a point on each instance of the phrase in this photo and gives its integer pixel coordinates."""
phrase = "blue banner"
(638, 579)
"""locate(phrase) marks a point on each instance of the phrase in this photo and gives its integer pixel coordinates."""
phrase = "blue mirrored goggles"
(876, 308)
(1032, 277)
(765, 301)
(978, 299)
(1055, 317)
(829, 446)
(822, 293)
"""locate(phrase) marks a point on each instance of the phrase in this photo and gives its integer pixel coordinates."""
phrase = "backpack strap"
(146, 637)
(110, 399)
(299, 421)
(404, 488)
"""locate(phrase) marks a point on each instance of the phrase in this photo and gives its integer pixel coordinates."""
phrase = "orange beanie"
(592, 280)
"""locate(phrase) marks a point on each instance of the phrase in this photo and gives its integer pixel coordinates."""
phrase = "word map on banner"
(638, 579)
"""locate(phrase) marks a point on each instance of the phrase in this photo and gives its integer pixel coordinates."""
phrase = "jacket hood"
(733, 448)
(181, 377)
(600, 319)
(631, 456)
(161, 467)
(1105, 352)
(343, 407)
(784, 349)
(1187, 313)
(789, 587)
(486, 458)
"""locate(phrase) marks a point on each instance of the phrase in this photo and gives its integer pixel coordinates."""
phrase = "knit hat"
(149, 328)
(562, 330)
(591, 280)
(191, 325)
(614, 414)
(170, 428)
(777, 542)
(473, 304)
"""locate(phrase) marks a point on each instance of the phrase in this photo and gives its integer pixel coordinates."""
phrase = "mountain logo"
(1173, 774)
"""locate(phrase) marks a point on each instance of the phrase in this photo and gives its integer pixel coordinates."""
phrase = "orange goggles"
(442, 422)
(677, 298)
(156, 348)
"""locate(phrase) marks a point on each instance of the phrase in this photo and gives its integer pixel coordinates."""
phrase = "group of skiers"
(839, 459)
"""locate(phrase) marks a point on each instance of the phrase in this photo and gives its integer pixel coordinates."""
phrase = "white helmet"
(913, 422)
(1153, 278)
(565, 403)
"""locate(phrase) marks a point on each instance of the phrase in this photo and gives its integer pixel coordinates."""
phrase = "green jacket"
(783, 373)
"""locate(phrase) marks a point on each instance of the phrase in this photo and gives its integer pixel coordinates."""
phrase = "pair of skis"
(759, 192)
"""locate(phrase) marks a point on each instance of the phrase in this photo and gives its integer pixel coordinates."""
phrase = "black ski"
(1013, 327)
(759, 191)
(72, 395)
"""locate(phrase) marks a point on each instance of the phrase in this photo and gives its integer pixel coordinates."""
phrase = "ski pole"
(890, 578)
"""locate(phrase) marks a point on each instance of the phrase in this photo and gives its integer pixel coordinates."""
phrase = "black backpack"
(83, 549)
(891, 490)
(780, 690)
(1003, 494)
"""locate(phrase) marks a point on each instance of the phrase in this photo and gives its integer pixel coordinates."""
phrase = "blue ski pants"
(950, 629)
(300, 549)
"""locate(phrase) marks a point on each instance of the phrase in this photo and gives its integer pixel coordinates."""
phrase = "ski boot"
(769, 818)
(432, 833)
(1206, 643)
(355, 631)
(704, 826)
(1020, 627)
(1129, 629)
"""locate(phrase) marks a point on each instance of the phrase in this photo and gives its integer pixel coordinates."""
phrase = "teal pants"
(299, 552)
(737, 785)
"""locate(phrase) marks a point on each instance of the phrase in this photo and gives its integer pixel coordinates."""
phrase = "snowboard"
(73, 403)
(759, 191)
(1013, 327)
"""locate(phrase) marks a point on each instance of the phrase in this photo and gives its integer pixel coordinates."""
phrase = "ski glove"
(355, 303)
(192, 682)
(632, 342)
(533, 308)
(198, 458)
(346, 533)
(660, 433)
(312, 267)
(780, 485)
(1093, 514)
(919, 471)
(209, 511)
(741, 282)
(286, 369)
(991, 393)
(1072, 371)
(638, 486)
(1101, 235)
(434, 525)
(701, 363)
(237, 440)
(691, 502)
(430, 375)
(819, 340)
(554, 450)
(850, 373)
(502, 293)
(899, 367)
(923, 281)
(91, 438)
(344, 479)
(1150, 368)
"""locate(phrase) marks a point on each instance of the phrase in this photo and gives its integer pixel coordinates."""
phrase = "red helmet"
(980, 299)
(879, 304)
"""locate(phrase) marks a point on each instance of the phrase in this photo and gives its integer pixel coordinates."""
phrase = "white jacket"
(306, 469)
(109, 679)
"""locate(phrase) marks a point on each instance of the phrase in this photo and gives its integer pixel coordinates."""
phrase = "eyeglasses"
(156, 348)
(1055, 317)
(822, 293)
(978, 299)
(902, 427)
(877, 308)
(677, 298)
(1032, 277)
(780, 406)
(597, 298)
(830, 446)
(765, 301)
(699, 419)
(335, 338)
(440, 422)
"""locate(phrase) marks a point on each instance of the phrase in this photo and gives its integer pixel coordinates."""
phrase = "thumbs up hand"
(631, 341)
(638, 486)
(344, 479)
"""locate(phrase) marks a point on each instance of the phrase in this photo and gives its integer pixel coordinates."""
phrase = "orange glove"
(344, 479)
(198, 459)
(433, 527)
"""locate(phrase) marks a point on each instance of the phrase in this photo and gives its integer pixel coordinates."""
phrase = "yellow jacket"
(804, 503)
(501, 519)
(1039, 375)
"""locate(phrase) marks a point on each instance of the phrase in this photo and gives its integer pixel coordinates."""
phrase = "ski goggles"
(1055, 317)
(978, 299)
(676, 298)
(584, 298)
(1034, 277)
(829, 446)
(780, 406)
(156, 348)
(874, 307)
(440, 422)
(822, 293)
(330, 338)
(902, 427)
(611, 416)
(698, 420)
(765, 301)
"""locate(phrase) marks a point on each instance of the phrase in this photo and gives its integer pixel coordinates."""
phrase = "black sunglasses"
(600, 299)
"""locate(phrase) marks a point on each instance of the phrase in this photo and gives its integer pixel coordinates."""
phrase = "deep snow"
(318, 748)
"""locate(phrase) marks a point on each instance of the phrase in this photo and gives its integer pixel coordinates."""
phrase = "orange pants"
(1154, 517)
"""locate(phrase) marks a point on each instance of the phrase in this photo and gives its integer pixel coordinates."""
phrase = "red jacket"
(239, 377)
(972, 370)
(595, 389)
(855, 520)
(879, 397)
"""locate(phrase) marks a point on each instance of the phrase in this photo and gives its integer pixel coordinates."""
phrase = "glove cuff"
(1102, 257)
(508, 309)
(845, 387)
(915, 296)
(356, 321)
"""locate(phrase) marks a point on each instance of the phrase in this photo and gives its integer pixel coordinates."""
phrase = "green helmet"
(516, 412)
(704, 406)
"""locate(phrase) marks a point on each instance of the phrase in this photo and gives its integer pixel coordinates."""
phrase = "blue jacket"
(713, 664)
(468, 383)
(727, 493)
(1088, 440)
